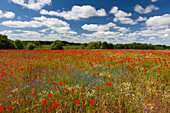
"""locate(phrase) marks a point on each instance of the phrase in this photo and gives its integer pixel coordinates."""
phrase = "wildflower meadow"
(84, 81)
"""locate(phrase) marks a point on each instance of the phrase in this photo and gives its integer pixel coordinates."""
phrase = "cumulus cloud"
(152, 38)
(95, 27)
(76, 13)
(109, 36)
(154, 0)
(140, 18)
(159, 21)
(121, 16)
(6, 32)
(51, 23)
(22, 24)
(102, 34)
(7, 14)
(148, 9)
(123, 29)
(23, 35)
(32, 4)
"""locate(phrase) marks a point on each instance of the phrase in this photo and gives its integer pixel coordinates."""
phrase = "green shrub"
(6, 43)
(30, 46)
(18, 44)
(56, 45)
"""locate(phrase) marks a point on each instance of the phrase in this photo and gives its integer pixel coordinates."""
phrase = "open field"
(86, 81)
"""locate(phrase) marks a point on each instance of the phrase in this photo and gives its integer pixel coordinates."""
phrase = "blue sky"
(114, 21)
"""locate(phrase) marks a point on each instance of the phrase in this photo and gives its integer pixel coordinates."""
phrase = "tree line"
(6, 43)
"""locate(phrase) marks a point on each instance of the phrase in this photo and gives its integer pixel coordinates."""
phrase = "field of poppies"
(85, 81)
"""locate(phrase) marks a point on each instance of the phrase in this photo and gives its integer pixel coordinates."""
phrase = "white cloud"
(123, 29)
(121, 16)
(7, 14)
(24, 35)
(32, 4)
(72, 32)
(154, 0)
(53, 23)
(109, 36)
(95, 27)
(148, 9)
(6, 32)
(114, 10)
(125, 20)
(43, 30)
(140, 18)
(77, 12)
(22, 24)
(159, 21)
(152, 38)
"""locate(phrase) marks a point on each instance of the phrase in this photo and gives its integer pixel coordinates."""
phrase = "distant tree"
(104, 45)
(30, 46)
(119, 46)
(56, 45)
(18, 44)
(110, 46)
(82, 46)
(36, 43)
(94, 45)
(6, 43)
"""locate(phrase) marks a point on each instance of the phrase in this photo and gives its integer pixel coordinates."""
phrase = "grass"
(86, 81)
(43, 47)
(47, 47)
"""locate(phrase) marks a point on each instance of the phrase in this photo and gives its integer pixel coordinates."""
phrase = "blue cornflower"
(146, 108)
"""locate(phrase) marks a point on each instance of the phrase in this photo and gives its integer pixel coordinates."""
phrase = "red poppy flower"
(50, 95)
(73, 90)
(65, 89)
(9, 109)
(78, 102)
(43, 102)
(8, 89)
(60, 83)
(57, 100)
(100, 89)
(33, 94)
(92, 102)
(49, 109)
(82, 91)
(54, 83)
(55, 105)
(163, 81)
(109, 84)
(2, 108)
